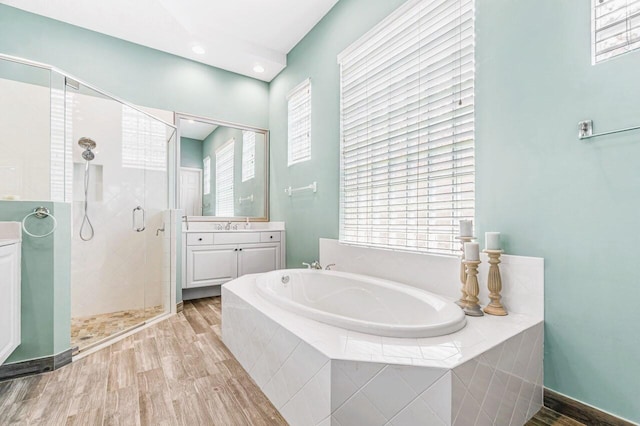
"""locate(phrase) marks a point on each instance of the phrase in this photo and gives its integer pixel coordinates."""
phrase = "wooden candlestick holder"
(494, 283)
(463, 272)
(472, 307)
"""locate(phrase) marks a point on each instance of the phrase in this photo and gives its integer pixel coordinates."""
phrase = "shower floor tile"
(86, 331)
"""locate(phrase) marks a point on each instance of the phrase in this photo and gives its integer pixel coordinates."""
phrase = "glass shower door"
(119, 199)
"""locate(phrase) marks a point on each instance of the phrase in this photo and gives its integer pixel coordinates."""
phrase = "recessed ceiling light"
(199, 50)
(258, 68)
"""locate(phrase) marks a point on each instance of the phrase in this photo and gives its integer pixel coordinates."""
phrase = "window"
(248, 155)
(206, 175)
(144, 144)
(299, 123)
(615, 28)
(224, 179)
(407, 129)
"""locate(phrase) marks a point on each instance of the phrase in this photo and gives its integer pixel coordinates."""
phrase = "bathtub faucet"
(314, 265)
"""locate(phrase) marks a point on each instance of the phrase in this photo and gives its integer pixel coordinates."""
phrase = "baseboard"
(35, 366)
(200, 292)
(179, 306)
(581, 412)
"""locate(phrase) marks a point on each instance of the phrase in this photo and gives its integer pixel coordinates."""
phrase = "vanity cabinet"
(213, 258)
(10, 301)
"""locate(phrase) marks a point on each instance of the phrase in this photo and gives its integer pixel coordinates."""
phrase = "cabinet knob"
(270, 236)
(199, 239)
(240, 249)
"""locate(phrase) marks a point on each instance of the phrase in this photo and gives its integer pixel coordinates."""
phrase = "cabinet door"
(10, 300)
(257, 258)
(211, 265)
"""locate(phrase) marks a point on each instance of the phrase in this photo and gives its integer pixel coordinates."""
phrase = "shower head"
(88, 155)
(88, 145)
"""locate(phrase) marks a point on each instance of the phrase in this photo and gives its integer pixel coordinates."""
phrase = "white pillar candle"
(492, 240)
(471, 251)
(466, 228)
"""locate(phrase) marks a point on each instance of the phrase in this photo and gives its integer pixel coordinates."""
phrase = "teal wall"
(46, 263)
(572, 202)
(191, 153)
(136, 73)
(552, 196)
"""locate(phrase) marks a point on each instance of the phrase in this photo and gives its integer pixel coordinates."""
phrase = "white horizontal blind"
(224, 179)
(407, 172)
(299, 123)
(616, 28)
(206, 175)
(144, 144)
(248, 155)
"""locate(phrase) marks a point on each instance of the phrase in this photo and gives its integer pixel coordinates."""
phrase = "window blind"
(299, 123)
(224, 179)
(206, 175)
(407, 173)
(248, 155)
(615, 27)
(144, 144)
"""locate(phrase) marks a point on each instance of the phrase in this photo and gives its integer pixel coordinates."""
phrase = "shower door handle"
(135, 228)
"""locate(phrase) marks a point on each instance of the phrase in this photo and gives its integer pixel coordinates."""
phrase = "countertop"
(8, 241)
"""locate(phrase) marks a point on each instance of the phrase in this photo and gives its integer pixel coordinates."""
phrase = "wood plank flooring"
(177, 372)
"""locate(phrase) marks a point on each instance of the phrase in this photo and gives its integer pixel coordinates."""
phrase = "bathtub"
(361, 303)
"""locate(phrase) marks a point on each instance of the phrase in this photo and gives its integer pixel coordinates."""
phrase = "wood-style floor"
(177, 372)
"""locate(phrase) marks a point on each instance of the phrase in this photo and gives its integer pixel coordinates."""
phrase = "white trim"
(298, 87)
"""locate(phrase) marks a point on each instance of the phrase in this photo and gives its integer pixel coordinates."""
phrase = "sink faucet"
(186, 220)
(227, 226)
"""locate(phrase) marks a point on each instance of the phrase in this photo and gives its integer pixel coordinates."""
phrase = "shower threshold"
(90, 331)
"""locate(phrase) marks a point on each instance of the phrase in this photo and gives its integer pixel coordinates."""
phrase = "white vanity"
(213, 256)
(10, 248)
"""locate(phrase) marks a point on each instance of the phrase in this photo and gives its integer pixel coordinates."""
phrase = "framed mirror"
(224, 170)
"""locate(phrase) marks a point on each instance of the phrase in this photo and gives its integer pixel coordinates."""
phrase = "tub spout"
(306, 264)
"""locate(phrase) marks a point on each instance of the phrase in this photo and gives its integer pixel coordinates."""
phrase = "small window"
(144, 144)
(224, 179)
(248, 155)
(615, 28)
(299, 123)
(206, 175)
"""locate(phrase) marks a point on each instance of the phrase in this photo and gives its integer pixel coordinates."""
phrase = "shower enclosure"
(112, 162)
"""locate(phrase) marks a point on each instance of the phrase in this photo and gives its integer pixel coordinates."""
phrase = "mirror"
(224, 170)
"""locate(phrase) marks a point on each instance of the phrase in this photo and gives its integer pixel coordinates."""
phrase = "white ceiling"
(236, 34)
(195, 129)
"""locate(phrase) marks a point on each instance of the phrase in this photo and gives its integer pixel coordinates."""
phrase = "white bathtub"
(361, 303)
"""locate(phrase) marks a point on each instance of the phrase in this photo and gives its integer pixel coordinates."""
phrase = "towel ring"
(40, 213)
